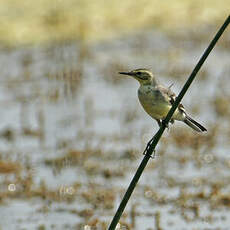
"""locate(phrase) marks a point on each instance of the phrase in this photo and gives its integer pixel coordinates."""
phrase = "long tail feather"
(194, 125)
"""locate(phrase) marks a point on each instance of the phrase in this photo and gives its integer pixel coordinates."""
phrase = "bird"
(157, 100)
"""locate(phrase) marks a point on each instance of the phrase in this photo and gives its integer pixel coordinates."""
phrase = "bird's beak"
(126, 73)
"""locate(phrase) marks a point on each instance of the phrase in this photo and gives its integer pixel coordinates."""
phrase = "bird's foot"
(164, 124)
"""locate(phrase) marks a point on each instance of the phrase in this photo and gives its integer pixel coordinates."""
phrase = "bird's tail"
(194, 125)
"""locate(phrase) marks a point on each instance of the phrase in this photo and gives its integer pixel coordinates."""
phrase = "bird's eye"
(139, 73)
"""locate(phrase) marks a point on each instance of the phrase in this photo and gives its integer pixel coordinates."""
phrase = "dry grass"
(9, 167)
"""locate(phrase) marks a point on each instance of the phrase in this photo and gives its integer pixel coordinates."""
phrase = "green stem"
(158, 135)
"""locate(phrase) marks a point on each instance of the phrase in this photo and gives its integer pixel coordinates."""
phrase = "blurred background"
(72, 131)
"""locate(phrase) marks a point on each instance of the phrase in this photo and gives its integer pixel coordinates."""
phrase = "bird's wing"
(170, 96)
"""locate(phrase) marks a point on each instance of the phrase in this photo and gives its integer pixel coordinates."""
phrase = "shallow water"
(75, 131)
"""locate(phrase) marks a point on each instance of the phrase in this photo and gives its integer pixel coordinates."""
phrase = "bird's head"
(144, 76)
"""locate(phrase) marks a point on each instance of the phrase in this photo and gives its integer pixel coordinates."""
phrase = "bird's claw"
(166, 125)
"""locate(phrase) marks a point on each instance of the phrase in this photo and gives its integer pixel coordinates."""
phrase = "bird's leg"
(159, 122)
(166, 125)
